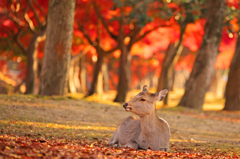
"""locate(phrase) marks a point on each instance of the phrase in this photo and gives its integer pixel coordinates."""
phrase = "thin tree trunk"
(166, 77)
(72, 88)
(74, 70)
(99, 89)
(220, 83)
(105, 76)
(123, 84)
(169, 78)
(32, 61)
(97, 71)
(54, 74)
(171, 70)
(83, 75)
(203, 69)
(166, 64)
(76, 79)
(233, 85)
(172, 55)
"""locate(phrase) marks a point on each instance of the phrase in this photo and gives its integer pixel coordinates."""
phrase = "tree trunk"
(32, 61)
(220, 83)
(72, 87)
(54, 75)
(171, 70)
(172, 55)
(123, 84)
(166, 77)
(105, 76)
(162, 81)
(99, 89)
(203, 69)
(233, 85)
(76, 79)
(74, 70)
(83, 75)
(97, 71)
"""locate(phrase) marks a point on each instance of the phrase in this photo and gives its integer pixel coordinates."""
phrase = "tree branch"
(14, 19)
(104, 22)
(28, 20)
(86, 35)
(98, 31)
(133, 35)
(112, 50)
(34, 12)
(149, 31)
(30, 23)
(40, 7)
(79, 56)
(24, 50)
(14, 9)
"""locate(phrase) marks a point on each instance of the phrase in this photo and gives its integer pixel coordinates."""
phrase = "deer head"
(145, 102)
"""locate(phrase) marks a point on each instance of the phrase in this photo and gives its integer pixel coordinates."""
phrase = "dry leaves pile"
(30, 147)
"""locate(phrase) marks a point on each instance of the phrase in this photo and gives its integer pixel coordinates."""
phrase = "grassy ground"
(76, 119)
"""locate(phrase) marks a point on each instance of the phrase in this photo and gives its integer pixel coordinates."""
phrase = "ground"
(35, 126)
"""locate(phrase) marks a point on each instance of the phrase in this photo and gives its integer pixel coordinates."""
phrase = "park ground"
(45, 127)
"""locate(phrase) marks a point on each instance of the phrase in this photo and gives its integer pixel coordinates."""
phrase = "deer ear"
(144, 89)
(161, 94)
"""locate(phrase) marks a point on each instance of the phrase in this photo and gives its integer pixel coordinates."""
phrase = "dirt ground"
(209, 132)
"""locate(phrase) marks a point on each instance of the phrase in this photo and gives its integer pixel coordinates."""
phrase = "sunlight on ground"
(192, 140)
(59, 126)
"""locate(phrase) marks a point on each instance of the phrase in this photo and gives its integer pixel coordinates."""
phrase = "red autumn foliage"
(13, 20)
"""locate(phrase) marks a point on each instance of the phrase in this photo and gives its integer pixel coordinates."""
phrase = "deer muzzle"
(125, 105)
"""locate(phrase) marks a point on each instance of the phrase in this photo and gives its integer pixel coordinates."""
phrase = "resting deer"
(147, 132)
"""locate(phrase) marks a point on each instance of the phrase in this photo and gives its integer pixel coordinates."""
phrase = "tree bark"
(74, 72)
(83, 75)
(105, 76)
(172, 55)
(233, 85)
(32, 62)
(54, 75)
(166, 64)
(167, 74)
(76, 79)
(203, 69)
(97, 71)
(123, 84)
(71, 79)
(99, 89)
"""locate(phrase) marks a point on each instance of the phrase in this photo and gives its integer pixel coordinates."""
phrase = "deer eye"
(142, 99)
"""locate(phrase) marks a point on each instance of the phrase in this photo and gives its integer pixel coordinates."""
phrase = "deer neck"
(149, 124)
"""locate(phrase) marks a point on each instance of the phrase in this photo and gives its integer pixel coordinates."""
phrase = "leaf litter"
(30, 147)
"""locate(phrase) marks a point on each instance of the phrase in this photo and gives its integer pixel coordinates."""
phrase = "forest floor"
(44, 127)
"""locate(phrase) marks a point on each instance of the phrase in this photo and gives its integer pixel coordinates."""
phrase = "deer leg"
(132, 144)
(114, 138)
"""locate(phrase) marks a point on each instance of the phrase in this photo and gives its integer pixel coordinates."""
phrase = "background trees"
(203, 69)
(23, 26)
(120, 45)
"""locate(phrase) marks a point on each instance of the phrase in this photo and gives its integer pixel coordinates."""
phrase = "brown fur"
(147, 132)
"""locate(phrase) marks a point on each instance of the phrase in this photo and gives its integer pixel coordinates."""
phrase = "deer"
(149, 131)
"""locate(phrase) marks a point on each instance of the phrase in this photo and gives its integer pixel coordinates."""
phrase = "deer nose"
(125, 105)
